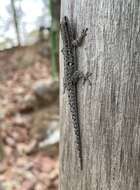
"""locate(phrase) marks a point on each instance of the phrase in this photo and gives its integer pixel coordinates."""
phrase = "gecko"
(72, 75)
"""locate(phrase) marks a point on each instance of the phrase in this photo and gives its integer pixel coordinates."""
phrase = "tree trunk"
(110, 108)
(15, 19)
(55, 15)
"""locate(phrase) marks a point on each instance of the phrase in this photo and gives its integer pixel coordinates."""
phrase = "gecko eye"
(70, 64)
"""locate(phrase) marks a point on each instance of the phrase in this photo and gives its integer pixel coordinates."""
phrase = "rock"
(53, 138)
(30, 100)
(51, 142)
(46, 91)
(28, 103)
(44, 123)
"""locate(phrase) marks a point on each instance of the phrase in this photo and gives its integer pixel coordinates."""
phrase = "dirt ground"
(24, 164)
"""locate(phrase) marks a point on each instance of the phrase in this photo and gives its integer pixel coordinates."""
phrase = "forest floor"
(26, 164)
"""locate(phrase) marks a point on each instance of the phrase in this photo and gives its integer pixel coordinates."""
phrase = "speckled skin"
(72, 75)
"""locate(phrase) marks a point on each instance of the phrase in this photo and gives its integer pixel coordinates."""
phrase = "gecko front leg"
(79, 40)
(77, 74)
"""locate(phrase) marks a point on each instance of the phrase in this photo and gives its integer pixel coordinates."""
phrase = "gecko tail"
(81, 162)
(80, 156)
(75, 118)
(79, 146)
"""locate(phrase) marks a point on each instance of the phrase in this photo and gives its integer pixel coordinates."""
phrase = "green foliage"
(54, 40)
(1, 152)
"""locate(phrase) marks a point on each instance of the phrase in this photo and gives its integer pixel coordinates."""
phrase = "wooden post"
(110, 109)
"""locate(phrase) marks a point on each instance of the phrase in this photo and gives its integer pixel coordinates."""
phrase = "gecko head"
(64, 26)
(65, 20)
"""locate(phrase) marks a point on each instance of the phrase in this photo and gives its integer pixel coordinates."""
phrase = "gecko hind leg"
(86, 78)
(79, 40)
(80, 75)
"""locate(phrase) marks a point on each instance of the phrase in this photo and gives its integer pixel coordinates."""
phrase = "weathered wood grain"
(110, 109)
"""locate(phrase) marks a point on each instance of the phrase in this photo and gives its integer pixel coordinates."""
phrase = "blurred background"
(29, 94)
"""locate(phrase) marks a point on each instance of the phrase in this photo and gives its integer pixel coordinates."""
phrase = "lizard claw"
(84, 32)
(78, 41)
(86, 77)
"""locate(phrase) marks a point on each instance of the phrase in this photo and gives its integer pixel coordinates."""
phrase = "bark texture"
(110, 108)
